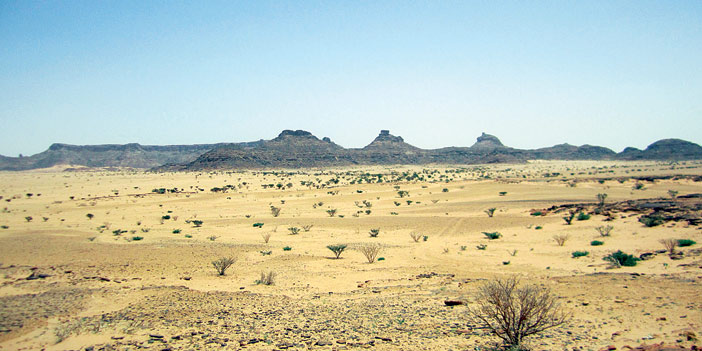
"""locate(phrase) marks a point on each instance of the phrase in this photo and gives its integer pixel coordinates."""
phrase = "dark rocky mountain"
(666, 149)
(127, 155)
(299, 149)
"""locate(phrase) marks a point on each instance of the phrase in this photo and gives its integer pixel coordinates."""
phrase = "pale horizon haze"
(437, 73)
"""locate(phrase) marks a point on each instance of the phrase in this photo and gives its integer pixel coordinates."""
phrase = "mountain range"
(299, 149)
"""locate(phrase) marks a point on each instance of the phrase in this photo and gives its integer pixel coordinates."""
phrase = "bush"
(560, 239)
(582, 216)
(537, 213)
(267, 278)
(686, 242)
(490, 212)
(604, 230)
(287, 248)
(481, 247)
(601, 199)
(258, 225)
(266, 237)
(222, 264)
(337, 249)
(577, 254)
(197, 223)
(137, 238)
(166, 217)
(669, 245)
(374, 232)
(331, 212)
(596, 243)
(514, 312)
(493, 235)
(651, 220)
(415, 236)
(569, 218)
(176, 231)
(503, 193)
(275, 211)
(371, 251)
(294, 230)
(620, 258)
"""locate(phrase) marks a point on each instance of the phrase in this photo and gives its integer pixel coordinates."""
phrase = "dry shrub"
(371, 251)
(513, 312)
(416, 236)
(670, 245)
(222, 264)
(560, 239)
(267, 278)
(266, 237)
(604, 230)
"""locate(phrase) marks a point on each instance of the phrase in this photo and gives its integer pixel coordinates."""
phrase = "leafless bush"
(222, 264)
(560, 239)
(267, 278)
(371, 251)
(275, 211)
(266, 237)
(670, 245)
(307, 227)
(513, 312)
(416, 236)
(604, 230)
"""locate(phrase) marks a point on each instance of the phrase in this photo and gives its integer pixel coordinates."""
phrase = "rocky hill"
(128, 155)
(300, 149)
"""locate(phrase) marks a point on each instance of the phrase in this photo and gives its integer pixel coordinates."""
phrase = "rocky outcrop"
(301, 149)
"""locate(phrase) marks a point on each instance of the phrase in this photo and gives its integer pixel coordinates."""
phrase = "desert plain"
(94, 259)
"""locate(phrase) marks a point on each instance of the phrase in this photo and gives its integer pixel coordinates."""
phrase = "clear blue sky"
(438, 73)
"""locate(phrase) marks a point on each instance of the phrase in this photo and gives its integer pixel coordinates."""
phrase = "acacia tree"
(514, 312)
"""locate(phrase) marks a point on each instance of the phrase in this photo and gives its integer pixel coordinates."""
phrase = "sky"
(438, 73)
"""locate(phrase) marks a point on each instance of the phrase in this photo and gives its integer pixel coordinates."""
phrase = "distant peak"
(297, 133)
(385, 136)
(487, 140)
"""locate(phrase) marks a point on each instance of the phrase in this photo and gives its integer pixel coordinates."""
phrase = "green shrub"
(537, 213)
(176, 231)
(166, 217)
(582, 216)
(258, 225)
(425, 238)
(481, 247)
(538, 227)
(493, 235)
(287, 248)
(596, 243)
(503, 193)
(337, 249)
(188, 236)
(620, 258)
(651, 221)
(374, 233)
(137, 238)
(686, 242)
(266, 253)
(197, 223)
(569, 218)
(577, 254)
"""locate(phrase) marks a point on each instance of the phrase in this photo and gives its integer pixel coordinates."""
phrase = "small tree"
(28, 218)
(569, 218)
(670, 245)
(331, 212)
(374, 232)
(604, 230)
(601, 199)
(490, 212)
(337, 249)
(560, 239)
(294, 230)
(90, 216)
(222, 264)
(673, 193)
(492, 235)
(197, 223)
(514, 312)
(371, 251)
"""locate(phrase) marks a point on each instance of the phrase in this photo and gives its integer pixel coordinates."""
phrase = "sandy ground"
(101, 287)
